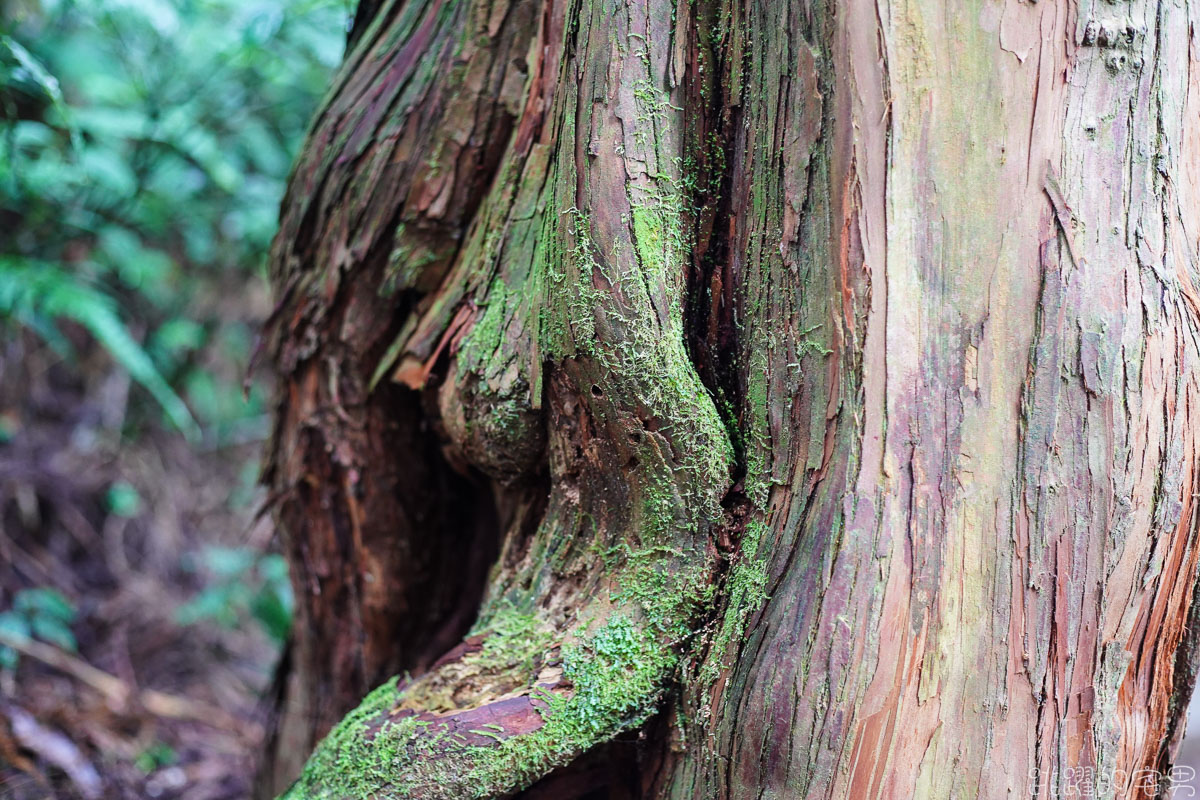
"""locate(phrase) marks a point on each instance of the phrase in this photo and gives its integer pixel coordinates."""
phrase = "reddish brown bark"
(838, 362)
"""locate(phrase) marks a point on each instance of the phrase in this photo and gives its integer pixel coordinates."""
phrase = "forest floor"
(150, 553)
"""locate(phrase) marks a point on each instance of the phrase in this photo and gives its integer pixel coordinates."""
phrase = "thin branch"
(120, 693)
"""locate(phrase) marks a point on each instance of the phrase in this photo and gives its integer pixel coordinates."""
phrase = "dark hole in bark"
(534, 497)
(609, 772)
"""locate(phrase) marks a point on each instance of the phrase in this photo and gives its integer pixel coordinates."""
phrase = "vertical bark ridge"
(998, 528)
(387, 184)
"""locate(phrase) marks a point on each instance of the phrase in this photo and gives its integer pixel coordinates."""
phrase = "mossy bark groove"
(810, 387)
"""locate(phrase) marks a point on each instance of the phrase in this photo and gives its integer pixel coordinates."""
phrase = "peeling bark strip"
(825, 376)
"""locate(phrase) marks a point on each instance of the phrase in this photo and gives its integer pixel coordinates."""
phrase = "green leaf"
(273, 612)
(140, 267)
(104, 324)
(32, 135)
(15, 626)
(27, 70)
(123, 500)
(208, 604)
(21, 72)
(26, 289)
(108, 169)
(155, 756)
(228, 562)
(120, 122)
(274, 568)
(176, 337)
(246, 584)
(274, 604)
(44, 602)
(220, 603)
(52, 630)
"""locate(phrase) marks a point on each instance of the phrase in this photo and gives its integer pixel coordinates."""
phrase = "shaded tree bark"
(742, 398)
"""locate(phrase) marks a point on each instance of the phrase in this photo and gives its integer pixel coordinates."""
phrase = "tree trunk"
(819, 383)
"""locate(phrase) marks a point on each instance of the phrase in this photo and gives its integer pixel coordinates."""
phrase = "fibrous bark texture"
(819, 383)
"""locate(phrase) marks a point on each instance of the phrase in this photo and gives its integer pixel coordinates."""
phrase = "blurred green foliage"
(37, 613)
(123, 499)
(242, 584)
(156, 756)
(144, 146)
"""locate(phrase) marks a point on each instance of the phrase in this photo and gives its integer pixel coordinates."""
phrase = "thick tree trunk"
(818, 381)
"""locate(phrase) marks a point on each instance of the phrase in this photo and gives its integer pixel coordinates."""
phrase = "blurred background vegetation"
(144, 147)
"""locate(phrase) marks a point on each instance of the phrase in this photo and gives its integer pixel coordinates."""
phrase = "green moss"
(617, 673)
(757, 403)
(483, 340)
(517, 640)
(351, 761)
(746, 591)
